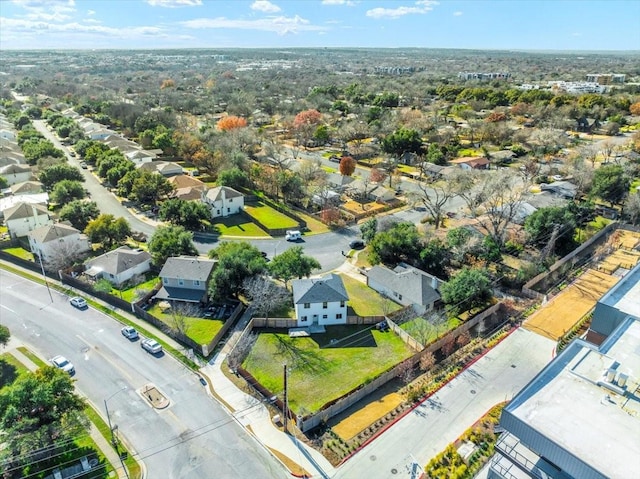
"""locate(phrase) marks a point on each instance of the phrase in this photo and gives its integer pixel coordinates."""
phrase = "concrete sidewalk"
(98, 438)
(254, 416)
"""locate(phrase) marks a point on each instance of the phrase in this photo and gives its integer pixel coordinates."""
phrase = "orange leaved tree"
(347, 166)
(231, 123)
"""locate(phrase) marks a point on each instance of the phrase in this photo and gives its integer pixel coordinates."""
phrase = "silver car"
(63, 363)
(151, 346)
(129, 332)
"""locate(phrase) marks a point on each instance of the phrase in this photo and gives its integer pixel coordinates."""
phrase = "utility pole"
(44, 276)
(286, 402)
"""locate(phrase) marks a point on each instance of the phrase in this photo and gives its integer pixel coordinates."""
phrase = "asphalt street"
(192, 438)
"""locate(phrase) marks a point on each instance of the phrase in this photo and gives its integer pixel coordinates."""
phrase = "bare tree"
(530, 169)
(434, 197)
(607, 150)
(589, 153)
(265, 294)
(180, 312)
(632, 208)
(405, 372)
(581, 173)
(502, 203)
(62, 255)
(240, 350)
(468, 185)
(427, 361)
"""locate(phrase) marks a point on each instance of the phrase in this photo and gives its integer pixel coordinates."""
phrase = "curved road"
(192, 438)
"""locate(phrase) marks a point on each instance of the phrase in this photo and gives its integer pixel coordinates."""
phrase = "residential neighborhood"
(346, 262)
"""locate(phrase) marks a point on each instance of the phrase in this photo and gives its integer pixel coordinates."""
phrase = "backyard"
(238, 225)
(364, 301)
(322, 366)
(270, 217)
(426, 331)
(201, 330)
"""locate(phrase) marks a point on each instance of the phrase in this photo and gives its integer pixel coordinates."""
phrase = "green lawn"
(425, 331)
(270, 217)
(238, 225)
(322, 370)
(20, 253)
(470, 152)
(10, 369)
(129, 294)
(365, 301)
(199, 329)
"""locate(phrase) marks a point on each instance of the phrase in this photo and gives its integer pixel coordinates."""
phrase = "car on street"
(79, 302)
(334, 159)
(63, 363)
(293, 235)
(356, 244)
(83, 165)
(129, 332)
(151, 346)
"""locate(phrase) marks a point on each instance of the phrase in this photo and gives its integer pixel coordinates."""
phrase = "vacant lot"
(324, 366)
(269, 217)
(570, 305)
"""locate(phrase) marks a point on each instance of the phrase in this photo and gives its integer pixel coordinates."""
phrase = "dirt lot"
(568, 307)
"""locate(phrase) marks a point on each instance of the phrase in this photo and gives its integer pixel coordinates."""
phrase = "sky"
(575, 25)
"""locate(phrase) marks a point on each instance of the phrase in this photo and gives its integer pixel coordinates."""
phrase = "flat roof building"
(579, 418)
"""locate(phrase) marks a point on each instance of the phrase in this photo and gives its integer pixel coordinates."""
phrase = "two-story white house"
(320, 301)
(16, 173)
(185, 278)
(25, 217)
(223, 201)
(49, 242)
(119, 265)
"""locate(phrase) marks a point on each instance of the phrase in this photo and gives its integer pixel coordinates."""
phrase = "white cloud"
(420, 7)
(280, 25)
(47, 10)
(91, 12)
(349, 3)
(457, 14)
(265, 6)
(174, 3)
(12, 26)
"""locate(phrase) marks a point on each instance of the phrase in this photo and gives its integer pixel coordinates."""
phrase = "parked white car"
(63, 363)
(79, 302)
(151, 346)
(293, 235)
(129, 332)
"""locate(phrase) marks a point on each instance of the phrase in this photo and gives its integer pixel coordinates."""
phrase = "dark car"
(356, 244)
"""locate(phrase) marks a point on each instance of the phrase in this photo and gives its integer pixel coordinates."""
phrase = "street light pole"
(111, 428)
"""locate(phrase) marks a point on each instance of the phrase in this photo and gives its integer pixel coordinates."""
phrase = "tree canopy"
(237, 261)
(5, 335)
(399, 243)
(79, 213)
(108, 230)
(56, 173)
(67, 190)
(470, 287)
(190, 214)
(170, 241)
(611, 184)
(292, 264)
(402, 140)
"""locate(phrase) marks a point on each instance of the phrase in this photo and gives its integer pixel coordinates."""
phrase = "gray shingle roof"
(215, 194)
(188, 267)
(412, 283)
(24, 210)
(329, 288)
(48, 233)
(119, 260)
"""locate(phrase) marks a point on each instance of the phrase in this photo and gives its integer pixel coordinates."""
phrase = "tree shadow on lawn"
(8, 373)
(346, 337)
(303, 359)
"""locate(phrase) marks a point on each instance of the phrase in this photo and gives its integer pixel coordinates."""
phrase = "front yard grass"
(365, 301)
(199, 329)
(238, 225)
(323, 366)
(269, 217)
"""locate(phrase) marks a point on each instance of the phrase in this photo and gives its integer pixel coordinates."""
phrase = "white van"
(293, 235)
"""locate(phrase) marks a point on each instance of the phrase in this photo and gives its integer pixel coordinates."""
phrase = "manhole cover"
(473, 391)
(513, 365)
(373, 458)
(394, 471)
